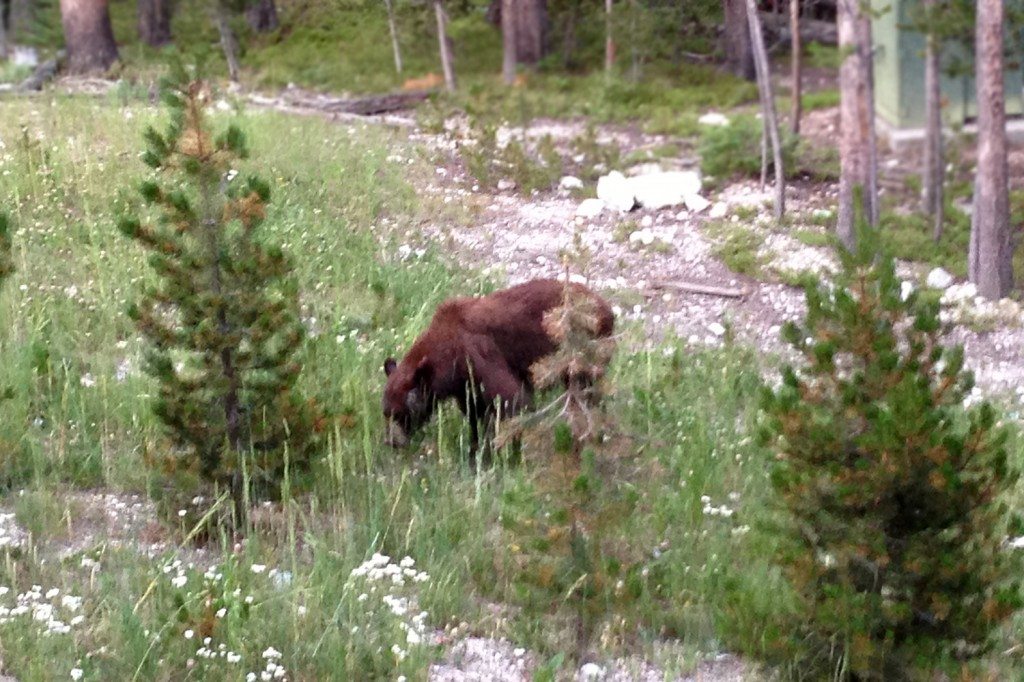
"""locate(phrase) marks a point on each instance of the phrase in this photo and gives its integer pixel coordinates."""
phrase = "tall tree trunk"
(990, 264)
(771, 121)
(569, 36)
(390, 5)
(3, 34)
(796, 66)
(866, 50)
(508, 38)
(21, 18)
(739, 58)
(609, 43)
(447, 64)
(531, 30)
(88, 35)
(856, 113)
(933, 173)
(155, 22)
(634, 52)
(262, 15)
(228, 42)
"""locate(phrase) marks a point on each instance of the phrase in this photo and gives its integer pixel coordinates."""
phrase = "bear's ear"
(389, 366)
(424, 373)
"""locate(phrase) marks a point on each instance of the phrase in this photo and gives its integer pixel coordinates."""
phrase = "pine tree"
(892, 492)
(223, 320)
(561, 530)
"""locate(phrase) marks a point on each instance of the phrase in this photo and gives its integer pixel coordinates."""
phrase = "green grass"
(80, 419)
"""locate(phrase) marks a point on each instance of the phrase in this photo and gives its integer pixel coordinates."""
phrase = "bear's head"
(408, 399)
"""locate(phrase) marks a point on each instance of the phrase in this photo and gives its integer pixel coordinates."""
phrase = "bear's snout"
(394, 435)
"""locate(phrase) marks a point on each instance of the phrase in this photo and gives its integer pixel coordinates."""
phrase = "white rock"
(682, 215)
(713, 118)
(25, 56)
(659, 190)
(645, 237)
(718, 210)
(906, 289)
(696, 203)
(716, 329)
(616, 192)
(646, 221)
(1017, 543)
(570, 182)
(590, 208)
(505, 185)
(939, 279)
(592, 671)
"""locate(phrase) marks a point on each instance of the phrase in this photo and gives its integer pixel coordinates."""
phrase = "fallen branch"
(43, 73)
(695, 288)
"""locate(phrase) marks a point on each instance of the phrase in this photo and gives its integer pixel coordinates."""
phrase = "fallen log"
(43, 73)
(697, 288)
(362, 106)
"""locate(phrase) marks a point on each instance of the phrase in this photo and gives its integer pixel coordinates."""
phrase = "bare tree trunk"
(155, 22)
(21, 17)
(531, 30)
(866, 49)
(262, 16)
(933, 172)
(447, 64)
(569, 36)
(228, 42)
(771, 121)
(739, 58)
(856, 115)
(990, 259)
(796, 66)
(394, 35)
(3, 34)
(88, 35)
(609, 43)
(508, 37)
(634, 53)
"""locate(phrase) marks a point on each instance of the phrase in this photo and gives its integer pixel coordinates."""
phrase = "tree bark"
(933, 173)
(856, 115)
(228, 42)
(771, 121)
(447, 64)
(609, 43)
(3, 34)
(531, 30)
(155, 22)
(739, 58)
(508, 38)
(866, 50)
(262, 16)
(393, 29)
(88, 35)
(21, 17)
(796, 66)
(990, 256)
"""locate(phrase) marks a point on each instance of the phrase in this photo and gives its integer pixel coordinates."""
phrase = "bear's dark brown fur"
(478, 351)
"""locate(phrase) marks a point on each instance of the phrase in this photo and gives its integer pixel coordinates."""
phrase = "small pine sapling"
(222, 320)
(893, 518)
(560, 528)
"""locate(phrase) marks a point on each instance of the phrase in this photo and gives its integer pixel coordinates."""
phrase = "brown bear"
(478, 351)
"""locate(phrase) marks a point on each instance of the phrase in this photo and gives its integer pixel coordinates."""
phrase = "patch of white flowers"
(50, 612)
(386, 594)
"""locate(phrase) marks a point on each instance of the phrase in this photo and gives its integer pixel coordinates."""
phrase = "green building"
(899, 77)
